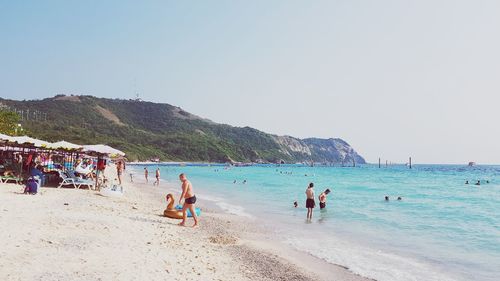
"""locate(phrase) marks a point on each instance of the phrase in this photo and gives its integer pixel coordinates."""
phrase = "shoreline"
(81, 235)
(251, 237)
(249, 242)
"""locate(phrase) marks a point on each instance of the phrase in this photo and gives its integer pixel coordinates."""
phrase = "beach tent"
(65, 145)
(103, 149)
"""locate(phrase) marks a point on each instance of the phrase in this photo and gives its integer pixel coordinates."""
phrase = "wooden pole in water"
(379, 162)
(410, 162)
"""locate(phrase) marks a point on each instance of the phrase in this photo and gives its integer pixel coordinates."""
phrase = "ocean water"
(443, 229)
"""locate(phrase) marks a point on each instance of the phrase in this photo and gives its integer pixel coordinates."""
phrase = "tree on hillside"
(8, 122)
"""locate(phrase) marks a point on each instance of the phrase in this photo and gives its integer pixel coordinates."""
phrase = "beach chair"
(65, 180)
(4, 179)
(78, 182)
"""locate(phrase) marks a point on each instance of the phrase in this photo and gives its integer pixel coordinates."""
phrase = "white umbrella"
(5, 137)
(29, 140)
(65, 145)
(104, 149)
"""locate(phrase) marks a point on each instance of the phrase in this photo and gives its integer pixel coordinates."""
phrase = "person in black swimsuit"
(322, 198)
(189, 200)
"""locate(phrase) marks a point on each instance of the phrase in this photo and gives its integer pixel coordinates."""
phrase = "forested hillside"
(147, 130)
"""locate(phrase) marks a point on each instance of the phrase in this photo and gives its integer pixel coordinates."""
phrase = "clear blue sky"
(393, 78)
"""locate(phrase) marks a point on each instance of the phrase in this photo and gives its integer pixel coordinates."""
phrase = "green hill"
(146, 130)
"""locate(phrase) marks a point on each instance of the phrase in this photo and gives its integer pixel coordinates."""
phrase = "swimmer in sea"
(466, 182)
(322, 199)
(478, 183)
(399, 198)
(295, 204)
(387, 198)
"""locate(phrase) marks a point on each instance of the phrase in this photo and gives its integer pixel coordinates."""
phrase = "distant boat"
(472, 164)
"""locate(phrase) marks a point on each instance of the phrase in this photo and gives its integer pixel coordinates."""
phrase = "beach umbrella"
(29, 140)
(5, 138)
(65, 145)
(103, 149)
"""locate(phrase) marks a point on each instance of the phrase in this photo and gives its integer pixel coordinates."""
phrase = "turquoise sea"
(442, 229)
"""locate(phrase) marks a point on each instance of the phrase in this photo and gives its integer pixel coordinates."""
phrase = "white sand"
(102, 238)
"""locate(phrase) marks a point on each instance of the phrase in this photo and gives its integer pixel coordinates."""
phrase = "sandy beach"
(68, 234)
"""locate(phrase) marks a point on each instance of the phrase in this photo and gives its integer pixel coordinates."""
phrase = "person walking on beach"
(310, 204)
(119, 171)
(322, 199)
(189, 200)
(146, 174)
(157, 182)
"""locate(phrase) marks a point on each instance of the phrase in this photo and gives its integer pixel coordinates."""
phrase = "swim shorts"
(310, 203)
(190, 200)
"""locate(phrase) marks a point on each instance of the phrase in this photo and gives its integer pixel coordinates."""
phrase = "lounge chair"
(71, 178)
(6, 179)
(66, 180)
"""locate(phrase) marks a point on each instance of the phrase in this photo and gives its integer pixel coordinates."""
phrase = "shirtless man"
(310, 204)
(157, 182)
(189, 200)
(146, 174)
(119, 171)
(322, 199)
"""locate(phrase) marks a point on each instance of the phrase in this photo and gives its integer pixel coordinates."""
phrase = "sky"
(392, 78)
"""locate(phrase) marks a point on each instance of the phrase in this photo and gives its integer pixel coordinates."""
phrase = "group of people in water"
(477, 183)
(386, 198)
(310, 200)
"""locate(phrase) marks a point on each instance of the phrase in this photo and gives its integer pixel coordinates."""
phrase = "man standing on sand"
(119, 171)
(310, 204)
(189, 200)
(322, 199)
(146, 174)
(157, 182)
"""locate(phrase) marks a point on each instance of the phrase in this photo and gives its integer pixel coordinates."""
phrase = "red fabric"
(101, 164)
(28, 161)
